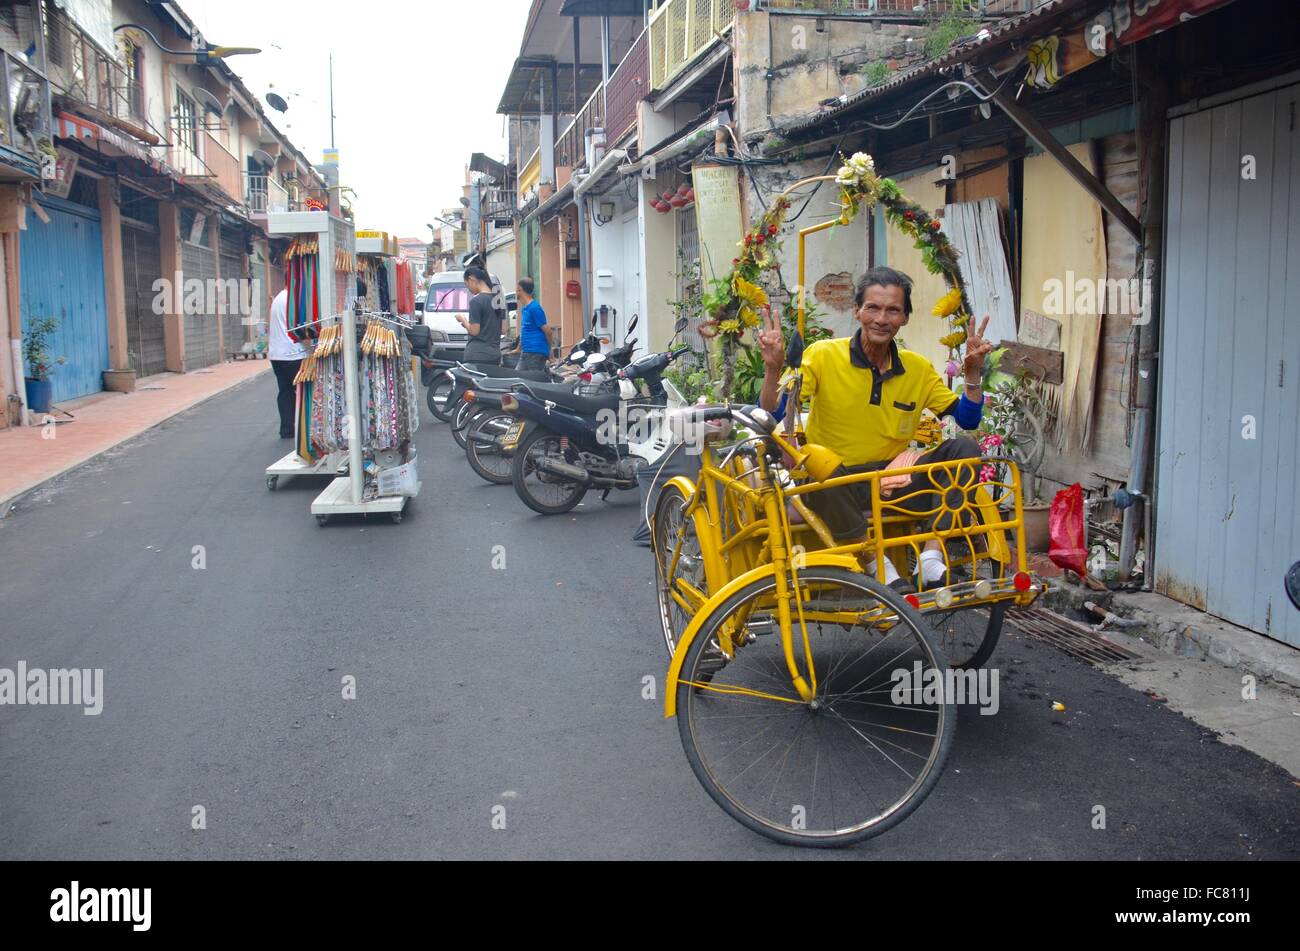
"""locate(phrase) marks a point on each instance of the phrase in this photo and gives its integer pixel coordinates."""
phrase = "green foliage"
(944, 30)
(693, 381)
(749, 375)
(36, 347)
(876, 72)
(813, 328)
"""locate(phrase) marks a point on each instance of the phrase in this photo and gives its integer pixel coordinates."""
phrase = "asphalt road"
(476, 688)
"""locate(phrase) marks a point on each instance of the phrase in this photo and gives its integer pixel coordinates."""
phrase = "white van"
(447, 299)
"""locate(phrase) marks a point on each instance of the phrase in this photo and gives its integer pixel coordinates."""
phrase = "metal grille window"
(56, 35)
(187, 121)
(689, 282)
(133, 57)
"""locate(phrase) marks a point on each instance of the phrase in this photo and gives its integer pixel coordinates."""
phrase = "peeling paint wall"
(784, 68)
(785, 65)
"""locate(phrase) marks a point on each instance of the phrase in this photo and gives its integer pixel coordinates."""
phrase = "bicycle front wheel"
(848, 764)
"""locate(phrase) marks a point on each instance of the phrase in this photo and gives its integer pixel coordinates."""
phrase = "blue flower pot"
(40, 393)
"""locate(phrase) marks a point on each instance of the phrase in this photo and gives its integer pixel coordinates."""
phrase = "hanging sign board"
(717, 217)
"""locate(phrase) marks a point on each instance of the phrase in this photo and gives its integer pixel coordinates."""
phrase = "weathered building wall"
(784, 68)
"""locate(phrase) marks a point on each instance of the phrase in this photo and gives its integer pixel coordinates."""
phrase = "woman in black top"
(484, 321)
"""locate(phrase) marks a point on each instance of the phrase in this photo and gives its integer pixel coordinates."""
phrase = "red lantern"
(682, 189)
(678, 201)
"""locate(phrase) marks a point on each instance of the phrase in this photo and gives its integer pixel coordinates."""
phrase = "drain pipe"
(584, 260)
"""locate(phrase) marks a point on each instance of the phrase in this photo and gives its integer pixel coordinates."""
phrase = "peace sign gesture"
(772, 342)
(977, 348)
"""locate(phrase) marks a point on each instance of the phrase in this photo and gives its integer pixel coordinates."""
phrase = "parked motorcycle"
(563, 444)
(476, 389)
(491, 421)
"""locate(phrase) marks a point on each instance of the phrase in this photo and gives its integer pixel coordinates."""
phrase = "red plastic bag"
(1065, 520)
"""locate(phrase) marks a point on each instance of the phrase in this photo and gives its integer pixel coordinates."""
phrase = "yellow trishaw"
(815, 703)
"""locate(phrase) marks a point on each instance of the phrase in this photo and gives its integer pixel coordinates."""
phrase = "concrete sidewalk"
(32, 455)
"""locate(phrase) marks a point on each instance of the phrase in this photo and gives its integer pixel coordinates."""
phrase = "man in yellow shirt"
(867, 398)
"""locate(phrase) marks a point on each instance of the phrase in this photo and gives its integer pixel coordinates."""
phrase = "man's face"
(881, 314)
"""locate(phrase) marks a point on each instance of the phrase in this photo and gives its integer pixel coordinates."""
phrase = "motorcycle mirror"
(794, 352)
(595, 360)
(578, 355)
(1293, 584)
(681, 325)
(632, 324)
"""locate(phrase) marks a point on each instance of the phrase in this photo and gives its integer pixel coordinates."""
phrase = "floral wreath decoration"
(736, 300)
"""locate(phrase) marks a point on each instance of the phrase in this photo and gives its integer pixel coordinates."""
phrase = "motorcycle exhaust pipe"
(483, 439)
(564, 470)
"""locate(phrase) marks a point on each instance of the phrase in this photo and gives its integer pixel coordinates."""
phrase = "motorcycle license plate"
(511, 437)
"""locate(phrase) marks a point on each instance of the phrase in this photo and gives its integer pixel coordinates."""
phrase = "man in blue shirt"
(534, 332)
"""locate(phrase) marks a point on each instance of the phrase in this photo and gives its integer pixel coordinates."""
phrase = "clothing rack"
(344, 496)
(333, 235)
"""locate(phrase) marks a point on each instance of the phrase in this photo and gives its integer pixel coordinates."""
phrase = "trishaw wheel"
(852, 761)
(968, 635)
(670, 525)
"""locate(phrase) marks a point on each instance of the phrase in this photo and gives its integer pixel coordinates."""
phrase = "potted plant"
(36, 353)
(1013, 427)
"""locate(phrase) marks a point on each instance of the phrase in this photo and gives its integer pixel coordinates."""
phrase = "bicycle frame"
(762, 544)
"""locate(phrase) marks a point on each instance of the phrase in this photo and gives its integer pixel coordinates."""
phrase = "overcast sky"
(416, 87)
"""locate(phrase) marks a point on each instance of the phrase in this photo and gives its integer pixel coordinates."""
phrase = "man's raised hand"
(771, 342)
(977, 348)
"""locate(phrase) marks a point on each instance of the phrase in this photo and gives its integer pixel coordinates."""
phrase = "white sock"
(933, 567)
(891, 573)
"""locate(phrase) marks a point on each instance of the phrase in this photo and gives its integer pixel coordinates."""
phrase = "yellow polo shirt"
(861, 413)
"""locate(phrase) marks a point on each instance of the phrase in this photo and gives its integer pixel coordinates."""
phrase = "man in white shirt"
(286, 356)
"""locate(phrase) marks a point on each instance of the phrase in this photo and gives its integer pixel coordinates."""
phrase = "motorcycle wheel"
(488, 461)
(545, 498)
(460, 422)
(436, 397)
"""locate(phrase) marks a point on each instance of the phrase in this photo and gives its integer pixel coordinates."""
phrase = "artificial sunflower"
(732, 326)
(948, 304)
(751, 294)
(953, 340)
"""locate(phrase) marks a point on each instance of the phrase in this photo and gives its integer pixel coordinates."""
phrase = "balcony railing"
(680, 30)
(627, 86)
(215, 165)
(499, 205)
(225, 168)
(263, 194)
(570, 147)
(87, 74)
(26, 116)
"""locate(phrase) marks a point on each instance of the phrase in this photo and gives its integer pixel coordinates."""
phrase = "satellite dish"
(209, 102)
(263, 158)
(276, 103)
